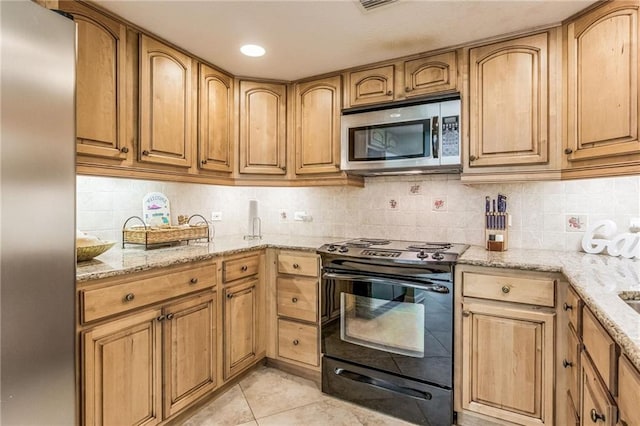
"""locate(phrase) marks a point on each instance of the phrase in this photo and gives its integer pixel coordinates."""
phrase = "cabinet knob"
(566, 363)
(124, 149)
(193, 281)
(408, 89)
(389, 93)
(506, 289)
(244, 268)
(229, 295)
(296, 266)
(595, 416)
(203, 162)
(472, 158)
(296, 342)
(466, 313)
(294, 299)
(129, 297)
(161, 318)
(169, 317)
(283, 168)
(145, 152)
(567, 307)
(568, 151)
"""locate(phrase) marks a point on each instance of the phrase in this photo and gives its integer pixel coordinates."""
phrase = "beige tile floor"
(270, 397)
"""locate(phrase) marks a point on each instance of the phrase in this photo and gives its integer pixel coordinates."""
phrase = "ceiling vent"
(372, 4)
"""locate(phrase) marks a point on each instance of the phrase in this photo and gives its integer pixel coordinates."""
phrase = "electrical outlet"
(299, 216)
(216, 216)
(634, 224)
(283, 215)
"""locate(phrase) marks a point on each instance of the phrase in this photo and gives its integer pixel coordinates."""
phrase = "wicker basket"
(150, 236)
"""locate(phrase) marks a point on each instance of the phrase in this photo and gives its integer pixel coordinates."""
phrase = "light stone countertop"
(598, 279)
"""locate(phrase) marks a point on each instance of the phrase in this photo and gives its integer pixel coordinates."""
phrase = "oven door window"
(396, 141)
(382, 324)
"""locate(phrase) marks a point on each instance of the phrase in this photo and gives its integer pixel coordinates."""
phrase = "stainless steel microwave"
(422, 138)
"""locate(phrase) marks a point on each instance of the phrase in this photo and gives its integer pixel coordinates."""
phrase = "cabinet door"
(628, 392)
(262, 128)
(165, 104)
(508, 97)
(602, 79)
(215, 137)
(371, 86)
(100, 69)
(432, 74)
(597, 406)
(121, 371)
(190, 351)
(507, 366)
(317, 137)
(239, 327)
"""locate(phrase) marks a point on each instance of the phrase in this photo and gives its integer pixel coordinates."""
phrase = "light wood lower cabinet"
(150, 365)
(240, 319)
(597, 406)
(121, 371)
(628, 392)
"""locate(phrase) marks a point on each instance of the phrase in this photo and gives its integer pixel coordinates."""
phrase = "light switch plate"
(216, 216)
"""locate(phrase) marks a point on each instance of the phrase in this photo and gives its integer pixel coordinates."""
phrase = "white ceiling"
(310, 37)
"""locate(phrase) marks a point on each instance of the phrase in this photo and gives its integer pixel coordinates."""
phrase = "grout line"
(247, 401)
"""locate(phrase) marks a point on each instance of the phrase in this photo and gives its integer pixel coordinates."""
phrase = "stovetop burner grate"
(367, 242)
(429, 247)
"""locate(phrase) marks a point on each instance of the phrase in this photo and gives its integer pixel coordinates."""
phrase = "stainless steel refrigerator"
(37, 216)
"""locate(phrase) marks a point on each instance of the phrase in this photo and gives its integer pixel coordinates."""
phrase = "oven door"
(399, 326)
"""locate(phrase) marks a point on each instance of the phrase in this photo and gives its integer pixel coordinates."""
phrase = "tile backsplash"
(549, 215)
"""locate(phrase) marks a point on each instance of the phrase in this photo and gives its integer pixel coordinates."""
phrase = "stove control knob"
(343, 249)
(438, 256)
(331, 248)
(422, 254)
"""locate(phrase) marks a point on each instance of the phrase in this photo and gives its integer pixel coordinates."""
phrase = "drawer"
(601, 349)
(571, 363)
(572, 306)
(146, 290)
(533, 291)
(628, 392)
(598, 406)
(297, 264)
(242, 267)
(297, 298)
(298, 342)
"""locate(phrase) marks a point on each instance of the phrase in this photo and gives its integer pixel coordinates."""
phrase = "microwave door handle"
(435, 137)
(438, 288)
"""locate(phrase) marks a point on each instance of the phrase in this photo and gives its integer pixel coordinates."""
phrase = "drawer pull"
(472, 158)
(145, 152)
(466, 313)
(124, 149)
(129, 297)
(568, 151)
(169, 317)
(595, 416)
(567, 307)
(296, 266)
(296, 342)
(506, 289)
(161, 318)
(389, 93)
(244, 268)
(566, 363)
(193, 281)
(229, 295)
(294, 299)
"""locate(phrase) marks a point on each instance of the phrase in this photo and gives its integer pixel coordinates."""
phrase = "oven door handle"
(437, 288)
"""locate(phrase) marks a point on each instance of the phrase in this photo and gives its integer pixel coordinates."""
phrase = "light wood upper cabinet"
(121, 371)
(215, 125)
(317, 137)
(166, 104)
(100, 69)
(190, 351)
(371, 86)
(431, 74)
(508, 101)
(602, 85)
(262, 128)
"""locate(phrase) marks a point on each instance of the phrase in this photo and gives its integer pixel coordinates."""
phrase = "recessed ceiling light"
(252, 50)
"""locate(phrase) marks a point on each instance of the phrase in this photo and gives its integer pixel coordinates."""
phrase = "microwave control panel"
(450, 136)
